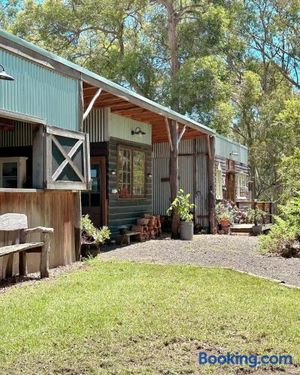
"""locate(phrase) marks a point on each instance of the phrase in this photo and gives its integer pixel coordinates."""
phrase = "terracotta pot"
(225, 223)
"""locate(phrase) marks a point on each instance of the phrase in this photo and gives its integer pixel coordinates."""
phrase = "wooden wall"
(57, 209)
(126, 211)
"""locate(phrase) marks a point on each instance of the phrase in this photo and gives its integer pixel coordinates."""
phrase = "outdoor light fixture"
(113, 172)
(149, 175)
(4, 75)
(137, 131)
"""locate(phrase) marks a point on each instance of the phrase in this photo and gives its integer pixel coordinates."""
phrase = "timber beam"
(92, 102)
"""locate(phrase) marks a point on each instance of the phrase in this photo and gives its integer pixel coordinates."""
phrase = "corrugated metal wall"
(192, 160)
(21, 135)
(96, 124)
(39, 92)
(226, 148)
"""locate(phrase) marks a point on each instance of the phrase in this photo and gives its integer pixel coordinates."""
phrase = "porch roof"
(121, 100)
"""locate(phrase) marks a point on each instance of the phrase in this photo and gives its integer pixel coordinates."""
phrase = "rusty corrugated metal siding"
(39, 92)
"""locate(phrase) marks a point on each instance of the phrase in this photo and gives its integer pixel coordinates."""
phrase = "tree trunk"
(174, 102)
(174, 174)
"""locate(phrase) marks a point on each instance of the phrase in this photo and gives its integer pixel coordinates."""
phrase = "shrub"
(93, 234)
(181, 206)
(255, 215)
(284, 236)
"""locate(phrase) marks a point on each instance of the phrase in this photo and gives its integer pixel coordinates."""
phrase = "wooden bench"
(18, 224)
(124, 239)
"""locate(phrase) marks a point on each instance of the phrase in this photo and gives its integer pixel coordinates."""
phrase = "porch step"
(246, 229)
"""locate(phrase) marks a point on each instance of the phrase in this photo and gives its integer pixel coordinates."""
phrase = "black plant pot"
(89, 250)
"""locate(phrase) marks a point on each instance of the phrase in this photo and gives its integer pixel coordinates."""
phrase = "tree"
(289, 172)
(272, 31)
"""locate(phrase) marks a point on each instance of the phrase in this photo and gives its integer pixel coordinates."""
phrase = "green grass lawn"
(126, 318)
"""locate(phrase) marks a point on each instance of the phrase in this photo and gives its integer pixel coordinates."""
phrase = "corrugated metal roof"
(110, 86)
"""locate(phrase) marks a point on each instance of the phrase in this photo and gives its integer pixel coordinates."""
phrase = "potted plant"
(92, 237)
(182, 207)
(224, 219)
(257, 217)
(225, 215)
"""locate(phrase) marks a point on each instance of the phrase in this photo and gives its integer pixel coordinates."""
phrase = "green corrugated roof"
(110, 86)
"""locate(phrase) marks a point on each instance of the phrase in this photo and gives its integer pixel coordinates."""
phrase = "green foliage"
(285, 230)
(289, 171)
(224, 212)
(255, 216)
(181, 206)
(99, 236)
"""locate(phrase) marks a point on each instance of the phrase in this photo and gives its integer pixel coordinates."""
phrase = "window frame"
(219, 182)
(131, 149)
(241, 184)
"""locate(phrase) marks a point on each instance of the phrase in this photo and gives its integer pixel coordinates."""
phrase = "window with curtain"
(131, 172)
(241, 185)
(219, 183)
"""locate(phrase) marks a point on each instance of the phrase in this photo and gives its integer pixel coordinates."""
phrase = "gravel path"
(236, 252)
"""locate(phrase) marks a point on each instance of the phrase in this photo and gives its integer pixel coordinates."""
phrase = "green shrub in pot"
(182, 207)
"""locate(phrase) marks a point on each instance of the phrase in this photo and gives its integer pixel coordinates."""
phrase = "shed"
(91, 144)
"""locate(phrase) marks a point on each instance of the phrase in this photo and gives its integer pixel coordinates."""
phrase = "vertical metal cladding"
(96, 124)
(21, 135)
(229, 149)
(192, 156)
(39, 91)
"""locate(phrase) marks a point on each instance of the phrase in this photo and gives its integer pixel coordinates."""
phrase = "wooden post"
(174, 160)
(77, 229)
(77, 197)
(44, 267)
(195, 178)
(22, 256)
(173, 136)
(9, 266)
(38, 158)
(211, 183)
(91, 104)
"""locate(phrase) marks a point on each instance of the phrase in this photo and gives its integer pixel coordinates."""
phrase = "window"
(219, 183)
(131, 173)
(67, 159)
(241, 185)
(12, 172)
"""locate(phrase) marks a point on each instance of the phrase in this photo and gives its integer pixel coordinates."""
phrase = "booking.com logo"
(251, 360)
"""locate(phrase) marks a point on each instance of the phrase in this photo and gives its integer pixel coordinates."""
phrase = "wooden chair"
(18, 223)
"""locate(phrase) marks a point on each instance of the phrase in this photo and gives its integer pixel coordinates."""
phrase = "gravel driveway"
(237, 252)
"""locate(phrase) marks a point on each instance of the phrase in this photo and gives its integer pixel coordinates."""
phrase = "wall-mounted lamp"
(4, 75)
(114, 191)
(149, 175)
(113, 173)
(137, 131)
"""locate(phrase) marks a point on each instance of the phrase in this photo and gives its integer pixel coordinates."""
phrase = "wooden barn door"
(94, 201)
